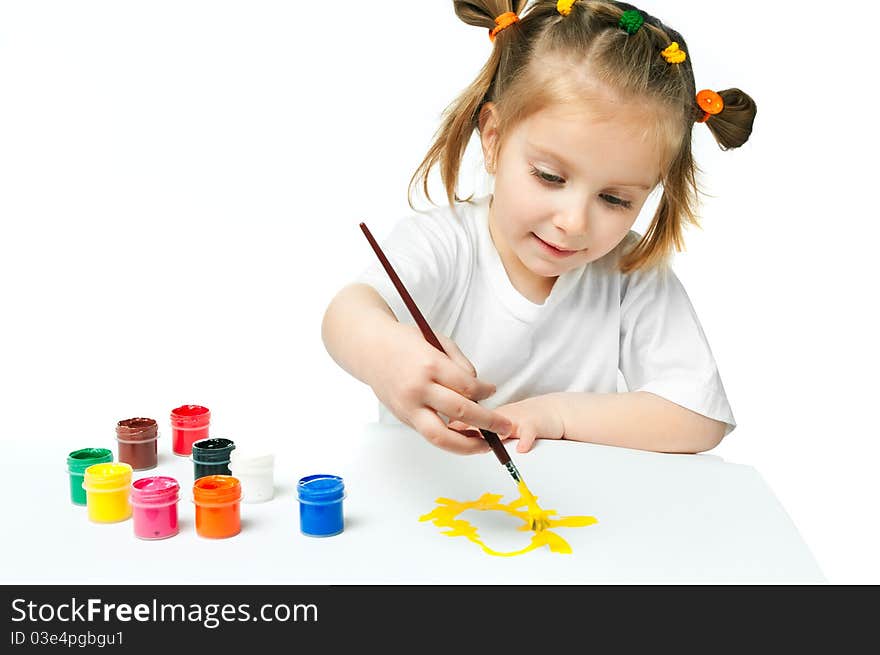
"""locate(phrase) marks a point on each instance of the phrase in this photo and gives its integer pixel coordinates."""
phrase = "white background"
(181, 184)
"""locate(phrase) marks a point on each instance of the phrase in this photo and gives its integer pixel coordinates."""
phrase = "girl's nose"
(572, 220)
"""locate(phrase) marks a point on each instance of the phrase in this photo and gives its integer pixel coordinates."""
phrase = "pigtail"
(732, 126)
(461, 117)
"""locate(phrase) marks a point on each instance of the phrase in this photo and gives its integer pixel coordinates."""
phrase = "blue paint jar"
(320, 505)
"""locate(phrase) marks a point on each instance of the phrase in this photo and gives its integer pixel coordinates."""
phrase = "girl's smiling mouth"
(553, 250)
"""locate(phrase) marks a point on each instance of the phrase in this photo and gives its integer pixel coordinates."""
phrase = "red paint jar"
(154, 501)
(218, 506)
(189, 423)
(136, 438)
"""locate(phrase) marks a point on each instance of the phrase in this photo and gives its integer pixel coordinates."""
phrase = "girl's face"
(568, 188)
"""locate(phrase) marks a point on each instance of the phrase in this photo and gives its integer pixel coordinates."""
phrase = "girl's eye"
(555, 180)
(617, 203)
(547, 177)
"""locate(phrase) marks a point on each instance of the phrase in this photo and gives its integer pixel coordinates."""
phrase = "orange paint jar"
(218, 506)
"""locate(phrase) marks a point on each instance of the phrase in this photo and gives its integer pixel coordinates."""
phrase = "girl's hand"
(533, 418)
(416, 382)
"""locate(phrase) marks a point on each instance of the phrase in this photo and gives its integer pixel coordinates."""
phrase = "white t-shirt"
(595, 322)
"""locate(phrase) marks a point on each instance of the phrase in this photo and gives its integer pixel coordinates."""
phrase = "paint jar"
(320, 505)
(106, 488)
(255, 471)
(154, 500)
(211, 456)
(189, 423)
(77, 462)
(137, 442)
(218, 506)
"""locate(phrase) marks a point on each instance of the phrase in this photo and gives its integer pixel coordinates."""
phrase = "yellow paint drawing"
(533, 517)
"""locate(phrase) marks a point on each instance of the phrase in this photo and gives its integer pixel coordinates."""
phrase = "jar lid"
(137, 429)
(190, 416)
(157, 488)
(216, 490)
(79, 460)
(108, 476)
(320, 488)
(212, 450)
(251, 460)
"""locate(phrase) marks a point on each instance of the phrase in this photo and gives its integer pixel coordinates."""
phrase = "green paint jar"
(77, 462)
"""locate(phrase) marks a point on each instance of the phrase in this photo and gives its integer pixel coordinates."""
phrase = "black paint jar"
(211, 456)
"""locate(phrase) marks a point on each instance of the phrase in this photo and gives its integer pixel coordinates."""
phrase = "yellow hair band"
(502, 22)
(564, 6)
(673, 55)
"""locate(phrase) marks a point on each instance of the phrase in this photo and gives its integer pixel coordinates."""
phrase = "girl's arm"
(637, 419)
(352, 323)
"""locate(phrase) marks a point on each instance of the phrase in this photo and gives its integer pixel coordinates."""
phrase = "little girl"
(583, 108)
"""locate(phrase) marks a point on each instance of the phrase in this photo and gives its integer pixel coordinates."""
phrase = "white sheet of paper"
(662, 519)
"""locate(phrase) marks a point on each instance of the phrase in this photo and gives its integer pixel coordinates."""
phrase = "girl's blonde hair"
(545, 58)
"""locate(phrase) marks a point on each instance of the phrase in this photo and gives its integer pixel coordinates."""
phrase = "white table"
(662, 519)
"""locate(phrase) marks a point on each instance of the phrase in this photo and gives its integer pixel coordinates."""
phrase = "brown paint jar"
(137, 442)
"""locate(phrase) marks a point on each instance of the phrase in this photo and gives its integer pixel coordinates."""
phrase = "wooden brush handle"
(427, 332)
(497, 447)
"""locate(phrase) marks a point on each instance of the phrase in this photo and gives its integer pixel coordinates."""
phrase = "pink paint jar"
(154, 501)
(189, 423)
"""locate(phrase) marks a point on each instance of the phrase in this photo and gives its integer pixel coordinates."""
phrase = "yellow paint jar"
(107, 486)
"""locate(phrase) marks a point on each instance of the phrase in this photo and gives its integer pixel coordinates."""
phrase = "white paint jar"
(256, 474)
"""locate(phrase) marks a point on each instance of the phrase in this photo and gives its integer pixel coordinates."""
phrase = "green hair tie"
(631, 21)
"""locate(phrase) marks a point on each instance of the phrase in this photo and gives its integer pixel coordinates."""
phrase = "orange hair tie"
(503, 21)
(711, 104)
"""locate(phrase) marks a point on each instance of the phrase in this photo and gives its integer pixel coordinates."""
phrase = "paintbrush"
(491, 438)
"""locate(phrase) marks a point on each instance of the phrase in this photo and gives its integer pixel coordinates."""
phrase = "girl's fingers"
(527, 436)
(459, 408)
(457, 379)
(471, 431)
(465, 429)
(432, 427)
